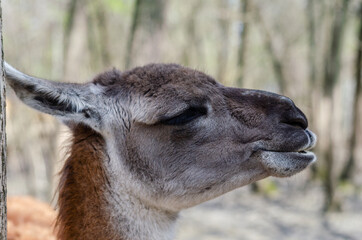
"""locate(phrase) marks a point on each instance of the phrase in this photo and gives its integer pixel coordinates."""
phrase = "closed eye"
(187, 116)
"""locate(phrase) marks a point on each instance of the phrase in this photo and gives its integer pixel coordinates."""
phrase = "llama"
(152, 141)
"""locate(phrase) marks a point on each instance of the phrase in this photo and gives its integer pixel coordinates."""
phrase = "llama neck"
(89, 208)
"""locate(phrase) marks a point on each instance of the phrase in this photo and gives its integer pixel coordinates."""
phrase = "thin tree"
(132, 32)
(102, 23)
(311, 43)
(150, 15)
(223, 54)
(2, 141)
(243, 34)
(269, 45)
(312, 63)
(347, 172)
(193, 49)
(97, 34)
(331, 74)
(68, 27)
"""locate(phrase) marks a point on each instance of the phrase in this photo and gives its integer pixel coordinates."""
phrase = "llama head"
(174, 135)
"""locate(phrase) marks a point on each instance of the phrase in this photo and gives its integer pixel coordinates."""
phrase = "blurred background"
(308, 50)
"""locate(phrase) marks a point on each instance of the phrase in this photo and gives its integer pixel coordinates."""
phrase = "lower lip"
(303, 155)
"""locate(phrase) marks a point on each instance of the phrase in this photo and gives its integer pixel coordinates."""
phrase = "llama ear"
(67, 101)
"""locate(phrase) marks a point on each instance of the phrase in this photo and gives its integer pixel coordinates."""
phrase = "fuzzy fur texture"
(157, 139)
(82, 204)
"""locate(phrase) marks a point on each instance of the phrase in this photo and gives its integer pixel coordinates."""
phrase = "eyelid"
(187, 115)
(173, 113)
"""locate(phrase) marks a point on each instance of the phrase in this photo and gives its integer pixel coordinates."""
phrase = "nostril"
(293, 116)
(297, 122)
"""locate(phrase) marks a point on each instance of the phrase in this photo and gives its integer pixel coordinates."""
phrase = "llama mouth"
(287, 163)
(302, 150)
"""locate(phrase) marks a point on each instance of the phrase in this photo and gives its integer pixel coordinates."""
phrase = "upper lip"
(311, 143)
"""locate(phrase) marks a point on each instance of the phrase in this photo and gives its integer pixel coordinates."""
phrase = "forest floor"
(289, 210)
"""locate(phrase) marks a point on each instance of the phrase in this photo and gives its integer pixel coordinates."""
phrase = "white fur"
(142, 221)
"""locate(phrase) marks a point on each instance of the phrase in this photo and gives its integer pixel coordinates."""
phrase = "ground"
(291, 210)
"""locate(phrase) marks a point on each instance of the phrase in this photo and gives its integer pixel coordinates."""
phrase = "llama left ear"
(67, 101)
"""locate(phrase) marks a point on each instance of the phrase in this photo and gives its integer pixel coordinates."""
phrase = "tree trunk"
(102, 23)
(331, 75)
(223, 54)
(243, 33)
(330, 202)
(312, 44)
(148, 15)
(2, 141)
(268, 41)
(347, 172)
(97, 35)
(312, 63)
(193, 49)
(333, 66)
(68, 27)
(132, 32)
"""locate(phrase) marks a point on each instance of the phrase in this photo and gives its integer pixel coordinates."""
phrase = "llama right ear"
(67, 101)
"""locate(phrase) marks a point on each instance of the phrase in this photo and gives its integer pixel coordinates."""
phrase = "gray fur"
(246, 135)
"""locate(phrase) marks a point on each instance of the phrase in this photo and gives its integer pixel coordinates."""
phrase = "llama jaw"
(287, 163)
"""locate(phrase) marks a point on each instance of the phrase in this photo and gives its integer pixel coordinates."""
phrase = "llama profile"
(150, 142)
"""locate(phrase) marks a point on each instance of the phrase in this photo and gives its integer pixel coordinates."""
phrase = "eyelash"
(187, 116)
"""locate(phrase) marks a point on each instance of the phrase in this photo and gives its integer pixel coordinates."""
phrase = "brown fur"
(82, 212)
